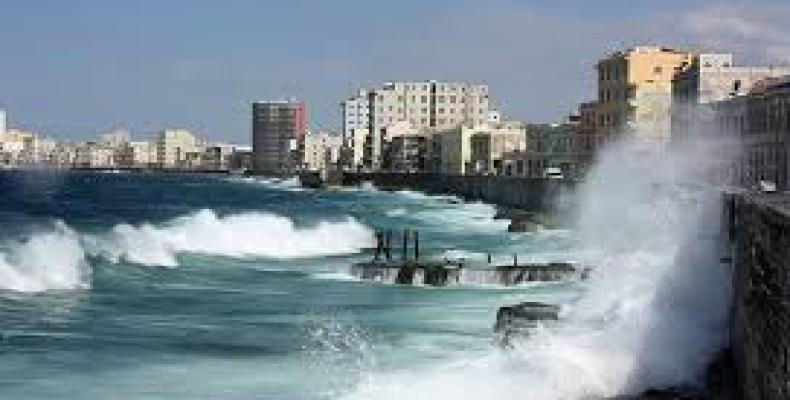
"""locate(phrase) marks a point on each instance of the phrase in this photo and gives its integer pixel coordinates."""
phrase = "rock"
(519, 319)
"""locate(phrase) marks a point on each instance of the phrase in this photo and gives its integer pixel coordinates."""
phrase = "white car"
(553, 173)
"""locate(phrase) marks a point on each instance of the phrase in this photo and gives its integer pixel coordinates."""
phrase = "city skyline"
(203, 72)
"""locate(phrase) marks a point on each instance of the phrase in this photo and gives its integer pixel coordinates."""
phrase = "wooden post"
(405, 254)
(388, 244)
(416, 245)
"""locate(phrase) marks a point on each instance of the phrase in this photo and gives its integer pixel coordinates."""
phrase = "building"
(241, 159)
(767, 135)
(635, 91)
(490, 142)
(427, 106)
(19, 147)
(216, 157)
(321, 151)
(356, 119)
(548, 147)
(3, 122)
(711, 78)
(137, 155)
(589, 139)
(94, 155)
(406, 150)
(176, 148)
(278, 128)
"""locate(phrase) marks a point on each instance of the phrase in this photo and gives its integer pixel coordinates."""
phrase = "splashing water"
(51, 260)
(652, 315)
(251, 234)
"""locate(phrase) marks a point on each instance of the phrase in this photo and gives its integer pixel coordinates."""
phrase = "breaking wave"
(653, 314)
(251, 234)
(52, 260)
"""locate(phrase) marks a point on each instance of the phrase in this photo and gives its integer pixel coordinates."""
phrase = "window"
(440, 99)
(452, 99)
(424, 110)
(441, 110)
(736, 86)
(657, 70)
(423, 99)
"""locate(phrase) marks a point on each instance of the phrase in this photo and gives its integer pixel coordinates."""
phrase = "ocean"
(161, 286)
(167, 286)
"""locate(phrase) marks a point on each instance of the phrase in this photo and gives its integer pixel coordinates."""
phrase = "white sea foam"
(250, 234)
(653, 313)
(46, 260)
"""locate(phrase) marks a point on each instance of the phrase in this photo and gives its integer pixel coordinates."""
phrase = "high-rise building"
(635, 91)
(278, 128)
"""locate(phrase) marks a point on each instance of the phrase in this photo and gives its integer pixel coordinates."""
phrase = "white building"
(321, 150)
(177, 148)
(356, 117)
(136, 154)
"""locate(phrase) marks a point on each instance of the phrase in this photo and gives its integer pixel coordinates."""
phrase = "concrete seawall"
(523, 193)
(759, 232)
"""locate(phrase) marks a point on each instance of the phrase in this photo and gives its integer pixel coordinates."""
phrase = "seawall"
(759, 232)
(515, 192)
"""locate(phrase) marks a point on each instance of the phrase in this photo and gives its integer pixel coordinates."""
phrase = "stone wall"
(759, 230)
(524, 193)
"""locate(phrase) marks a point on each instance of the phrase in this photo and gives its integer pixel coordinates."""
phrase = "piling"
(416, 245)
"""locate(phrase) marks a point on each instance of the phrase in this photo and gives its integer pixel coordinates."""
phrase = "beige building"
(177, 148)
(94, 155)
(490, 142)
(635, 91)
(136, 154)
(321, 150)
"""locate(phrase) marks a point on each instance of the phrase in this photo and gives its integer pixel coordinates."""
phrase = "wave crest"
(53, 260)
(251, 234)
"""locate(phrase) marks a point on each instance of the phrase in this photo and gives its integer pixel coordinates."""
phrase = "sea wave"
(45, 260)
(243, 235)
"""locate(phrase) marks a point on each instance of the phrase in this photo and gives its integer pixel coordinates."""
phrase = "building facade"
(427, 106)
(278, 128)
(175, 147)
(321, 151)
(355, 112)
(711, 78)
(548, 147)
(490, 142)
(635, 91)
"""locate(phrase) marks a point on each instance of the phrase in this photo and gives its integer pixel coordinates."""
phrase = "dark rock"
(519, 319)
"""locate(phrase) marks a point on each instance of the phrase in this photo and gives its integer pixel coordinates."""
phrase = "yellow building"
(635, 90)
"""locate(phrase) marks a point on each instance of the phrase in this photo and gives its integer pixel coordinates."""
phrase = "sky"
(74, 69)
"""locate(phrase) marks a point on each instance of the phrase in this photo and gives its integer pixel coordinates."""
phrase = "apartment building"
(635, 91)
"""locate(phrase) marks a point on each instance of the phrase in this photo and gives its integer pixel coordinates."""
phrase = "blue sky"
(71, 69)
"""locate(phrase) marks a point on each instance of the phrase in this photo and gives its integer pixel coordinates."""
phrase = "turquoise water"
(125, 286)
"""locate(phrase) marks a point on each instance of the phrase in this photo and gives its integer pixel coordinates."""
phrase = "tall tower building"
(278, 129)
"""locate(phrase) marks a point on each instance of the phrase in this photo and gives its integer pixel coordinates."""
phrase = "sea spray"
(46, 260)
(250, 234)
(652, 315)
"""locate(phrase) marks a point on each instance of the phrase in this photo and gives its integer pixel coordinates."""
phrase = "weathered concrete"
(522, 193)
(759, 231)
